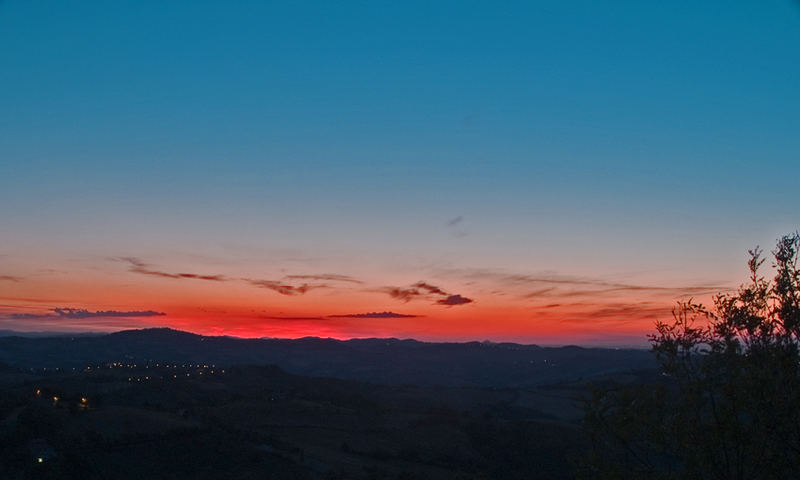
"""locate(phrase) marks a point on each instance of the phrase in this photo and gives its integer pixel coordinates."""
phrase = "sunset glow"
(370, 171)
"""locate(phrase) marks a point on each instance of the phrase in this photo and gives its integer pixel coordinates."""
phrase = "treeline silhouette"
(727, 403)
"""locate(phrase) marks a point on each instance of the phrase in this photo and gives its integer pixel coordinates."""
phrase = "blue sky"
(576, 137)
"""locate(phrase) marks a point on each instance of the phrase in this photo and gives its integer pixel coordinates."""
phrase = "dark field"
(182, 421)
(167, 404)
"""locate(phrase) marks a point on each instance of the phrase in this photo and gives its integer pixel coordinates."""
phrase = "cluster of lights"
(147, 378)
(199, 370)
(118, 365)
(148, 365)
(84, 401)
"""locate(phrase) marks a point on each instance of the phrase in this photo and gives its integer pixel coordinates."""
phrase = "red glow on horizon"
(242, 310)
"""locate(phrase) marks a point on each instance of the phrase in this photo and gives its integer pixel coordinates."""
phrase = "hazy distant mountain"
(385, 361)
(14, 333)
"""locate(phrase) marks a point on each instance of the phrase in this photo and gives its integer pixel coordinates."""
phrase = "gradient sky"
(543, 172)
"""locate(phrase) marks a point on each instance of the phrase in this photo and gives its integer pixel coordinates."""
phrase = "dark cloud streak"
(80, 313)
(430, 288)
(282, 287)
(426, 290)
(539, 293)
(292, 319)
(137, 266)
(452, 300)
(621, 313)
(375, 315)
(565, 286)
(331, 277)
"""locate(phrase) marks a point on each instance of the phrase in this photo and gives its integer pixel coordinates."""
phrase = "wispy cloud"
(285, 286)
(10, 278)
(80, 313)
(430, 288)
(137, 266)
(282, 287)
(331, 277)
(452, 300)
(555, 285)
(539, 293)
(401, 293)
(632, 310)
(456, 226)
(291, 319)
(455, 221)
(34, 300)
(617, 313)
(374, 315)
(426, 290)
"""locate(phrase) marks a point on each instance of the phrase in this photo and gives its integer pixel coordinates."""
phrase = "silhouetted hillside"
(190, 421)
(385, 361)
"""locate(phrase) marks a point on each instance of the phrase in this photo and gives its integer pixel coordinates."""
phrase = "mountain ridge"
(376, 360)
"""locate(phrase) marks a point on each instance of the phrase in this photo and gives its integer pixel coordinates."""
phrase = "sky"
(539, 171)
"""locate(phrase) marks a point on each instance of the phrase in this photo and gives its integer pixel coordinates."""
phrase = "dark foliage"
(727, 404)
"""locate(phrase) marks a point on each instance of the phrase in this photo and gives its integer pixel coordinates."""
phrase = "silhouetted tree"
(727, 403)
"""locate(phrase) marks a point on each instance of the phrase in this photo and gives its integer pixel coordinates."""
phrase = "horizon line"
(49, 334)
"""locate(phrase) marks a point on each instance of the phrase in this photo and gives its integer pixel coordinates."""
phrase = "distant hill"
(14, 333)
(385, 361)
